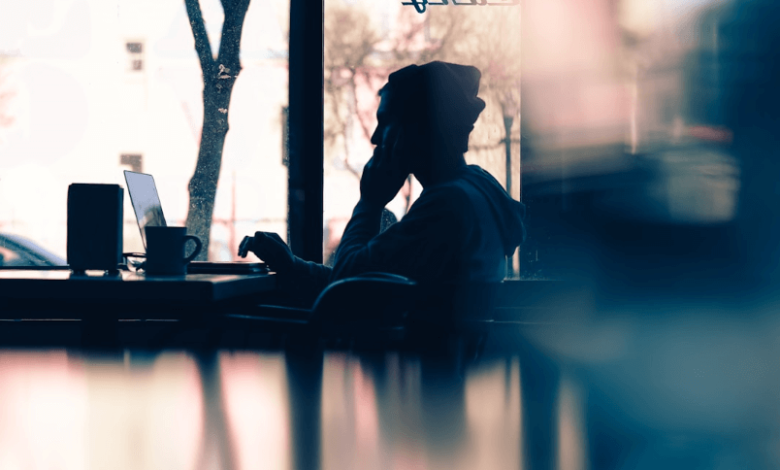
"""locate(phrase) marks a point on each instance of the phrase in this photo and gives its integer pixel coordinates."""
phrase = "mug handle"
(198, 246)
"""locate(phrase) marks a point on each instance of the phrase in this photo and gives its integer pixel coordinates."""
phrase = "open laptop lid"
(146, 202)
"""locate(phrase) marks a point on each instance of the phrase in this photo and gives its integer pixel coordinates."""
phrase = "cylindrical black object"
(95, 226)
(165, 250)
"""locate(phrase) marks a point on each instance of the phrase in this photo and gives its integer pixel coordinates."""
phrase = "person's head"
(432, 108)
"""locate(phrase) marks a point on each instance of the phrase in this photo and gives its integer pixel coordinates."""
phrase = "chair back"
(371, 300)
(421, 316)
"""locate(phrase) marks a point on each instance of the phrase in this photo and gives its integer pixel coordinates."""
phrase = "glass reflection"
(391, 411)
(254, 388)
(233, 411)
(65, 411)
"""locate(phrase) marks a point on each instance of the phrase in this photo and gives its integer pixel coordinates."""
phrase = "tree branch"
(202, 45)
(235, 11)
(361, 120)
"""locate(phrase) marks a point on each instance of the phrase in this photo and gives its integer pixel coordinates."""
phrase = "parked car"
(19, 251)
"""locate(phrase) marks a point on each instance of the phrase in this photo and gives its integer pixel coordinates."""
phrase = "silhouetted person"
(463, 224)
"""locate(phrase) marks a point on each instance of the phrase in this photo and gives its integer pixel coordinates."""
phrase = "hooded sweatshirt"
(456, 231)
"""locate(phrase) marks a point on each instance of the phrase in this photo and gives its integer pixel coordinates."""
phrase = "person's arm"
(307, 279)
(362, 227)
(300, 279)
(421, 245)
(425, 244)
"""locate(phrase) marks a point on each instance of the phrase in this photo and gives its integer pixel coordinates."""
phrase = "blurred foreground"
(624, 392)
(650, 137)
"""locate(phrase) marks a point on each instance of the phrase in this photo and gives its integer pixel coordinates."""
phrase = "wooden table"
(56, 308)
(59, 284)
(41, 294)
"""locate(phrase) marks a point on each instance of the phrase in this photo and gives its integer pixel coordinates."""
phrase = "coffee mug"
(165, 250)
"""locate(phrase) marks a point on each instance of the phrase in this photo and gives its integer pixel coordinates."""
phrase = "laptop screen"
(146, 202)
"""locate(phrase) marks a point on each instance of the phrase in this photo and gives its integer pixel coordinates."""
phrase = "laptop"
(149, 213)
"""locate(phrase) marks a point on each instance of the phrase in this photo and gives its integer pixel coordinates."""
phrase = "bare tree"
(349, 41)
(353, 61)
(357, 56)
(219, 76)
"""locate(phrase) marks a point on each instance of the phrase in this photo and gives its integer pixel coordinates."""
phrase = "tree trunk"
(219, 75)
(203, 185)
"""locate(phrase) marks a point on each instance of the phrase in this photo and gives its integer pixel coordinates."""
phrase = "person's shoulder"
(476, 171)
(448, 200)
(464, 186)
(450, 191)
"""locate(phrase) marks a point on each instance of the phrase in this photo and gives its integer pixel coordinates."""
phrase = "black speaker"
(95, 226)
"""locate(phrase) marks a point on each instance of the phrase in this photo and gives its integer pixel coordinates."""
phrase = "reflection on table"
(653, 392)
(134, 410)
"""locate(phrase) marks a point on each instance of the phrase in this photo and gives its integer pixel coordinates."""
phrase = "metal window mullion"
(305, 180)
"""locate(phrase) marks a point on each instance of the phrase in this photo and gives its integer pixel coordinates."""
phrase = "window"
(75, 90)
(133, 161)
(96, 90)
(365, 41)
(135, 48)
(136, 53)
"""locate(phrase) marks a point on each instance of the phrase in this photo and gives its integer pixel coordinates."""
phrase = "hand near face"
(270, 248)
(383, 175)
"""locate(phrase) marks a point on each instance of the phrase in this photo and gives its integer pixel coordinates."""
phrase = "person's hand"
(270, 248)
(383, 175)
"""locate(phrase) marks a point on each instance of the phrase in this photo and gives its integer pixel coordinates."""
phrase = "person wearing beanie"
(460, 228)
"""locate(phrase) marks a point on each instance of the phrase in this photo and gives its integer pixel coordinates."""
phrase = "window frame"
(305, 132)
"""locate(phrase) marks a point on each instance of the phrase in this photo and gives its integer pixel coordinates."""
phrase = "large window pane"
(89, 88)
(365, 41)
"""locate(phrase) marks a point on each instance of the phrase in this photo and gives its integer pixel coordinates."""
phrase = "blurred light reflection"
(64, 411)
(494, 416)
(257, 409)
(350, 433)
(571, 438)
(420, 413)
(43, 411)
(672, 396)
